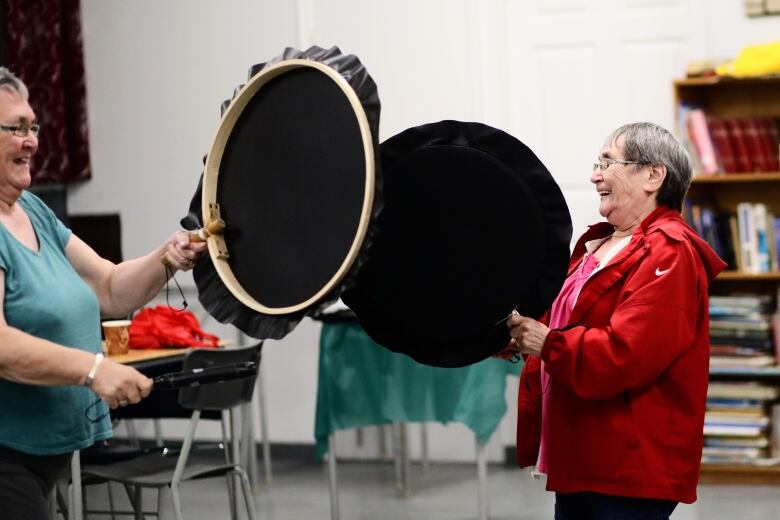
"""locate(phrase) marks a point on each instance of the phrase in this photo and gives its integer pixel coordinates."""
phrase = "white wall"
(557, 74)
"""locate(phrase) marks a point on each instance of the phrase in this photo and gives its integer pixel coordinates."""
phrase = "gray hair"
(649, 143)
(9, 81)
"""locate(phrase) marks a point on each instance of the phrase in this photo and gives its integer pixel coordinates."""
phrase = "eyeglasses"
(22, 130)
(603, 163)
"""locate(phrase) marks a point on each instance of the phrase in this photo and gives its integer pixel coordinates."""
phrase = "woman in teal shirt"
(54, 289)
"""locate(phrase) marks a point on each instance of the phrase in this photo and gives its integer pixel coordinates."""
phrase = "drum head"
(473, 227)
(292, 173)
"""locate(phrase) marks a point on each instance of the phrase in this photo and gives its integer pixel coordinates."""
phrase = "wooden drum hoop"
(211, 174)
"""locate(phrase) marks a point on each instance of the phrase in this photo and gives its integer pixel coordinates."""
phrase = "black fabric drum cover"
(291, 188)
(473, 226)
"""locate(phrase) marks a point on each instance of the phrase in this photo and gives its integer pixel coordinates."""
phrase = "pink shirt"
(560, 313)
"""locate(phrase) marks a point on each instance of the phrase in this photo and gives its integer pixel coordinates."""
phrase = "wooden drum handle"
(215, 227)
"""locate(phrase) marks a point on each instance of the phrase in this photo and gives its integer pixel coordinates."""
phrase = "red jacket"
(629, 373)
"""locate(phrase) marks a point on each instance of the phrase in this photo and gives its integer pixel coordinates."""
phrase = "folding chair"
(165, 470)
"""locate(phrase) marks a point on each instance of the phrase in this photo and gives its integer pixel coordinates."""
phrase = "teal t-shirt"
(45, 297)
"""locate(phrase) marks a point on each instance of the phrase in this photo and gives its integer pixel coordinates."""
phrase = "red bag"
(164, 327)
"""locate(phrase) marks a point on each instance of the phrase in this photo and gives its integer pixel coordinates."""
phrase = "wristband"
(91, 375)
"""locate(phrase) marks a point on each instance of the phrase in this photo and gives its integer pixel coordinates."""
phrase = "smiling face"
(15, 152)
(626, 194)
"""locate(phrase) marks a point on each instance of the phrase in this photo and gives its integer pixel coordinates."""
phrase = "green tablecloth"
(362, 383)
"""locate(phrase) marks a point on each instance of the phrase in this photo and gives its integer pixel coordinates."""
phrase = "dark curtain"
(2, 34)
(43, 47)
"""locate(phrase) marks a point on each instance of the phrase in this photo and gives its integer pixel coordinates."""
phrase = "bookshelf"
(735, 99)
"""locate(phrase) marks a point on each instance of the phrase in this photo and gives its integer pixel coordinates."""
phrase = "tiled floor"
(448, 491)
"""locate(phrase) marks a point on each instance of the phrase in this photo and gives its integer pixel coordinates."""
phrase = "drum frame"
(210, 210)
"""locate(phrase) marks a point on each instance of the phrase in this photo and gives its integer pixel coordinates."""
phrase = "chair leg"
(248, 498)
(75, 510)
(53, 504)
(165, 503)
(482, 501)
(110, 500)
(227, 445)
(235, 445)
(84, 507)
(231, 485)
(332, 478)
(138, 505)
(177, 514)
(61, 502)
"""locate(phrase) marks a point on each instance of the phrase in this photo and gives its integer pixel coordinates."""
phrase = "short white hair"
(9, 81)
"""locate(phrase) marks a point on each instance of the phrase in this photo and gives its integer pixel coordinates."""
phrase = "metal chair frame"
(159, 471)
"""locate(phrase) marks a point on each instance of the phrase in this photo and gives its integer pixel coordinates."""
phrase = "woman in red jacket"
(612, 396)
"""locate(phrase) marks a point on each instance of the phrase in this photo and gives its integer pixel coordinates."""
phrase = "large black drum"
(293, 174)
(473, 226)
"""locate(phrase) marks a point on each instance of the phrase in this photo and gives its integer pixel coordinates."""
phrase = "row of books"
(742, 424)
(729, 144)
(741, 332)
(748, 240)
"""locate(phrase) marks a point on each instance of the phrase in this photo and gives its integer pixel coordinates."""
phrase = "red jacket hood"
(669, 222)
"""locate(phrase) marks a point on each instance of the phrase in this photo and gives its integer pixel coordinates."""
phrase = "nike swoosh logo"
(659, 272)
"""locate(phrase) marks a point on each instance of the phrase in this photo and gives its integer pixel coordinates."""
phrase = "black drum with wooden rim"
(292, 173)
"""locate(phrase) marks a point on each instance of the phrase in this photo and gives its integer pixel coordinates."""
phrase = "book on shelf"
(714, 227)
(734, 237)
(735, 405)
(760, 222)
(740, 442)
(734, 452)
(734, 430)
(751, 390)
(739, 145)
(740, 334)
(700, 137)
(735, 418)
(731, 324)
(726, 144)
(768, 136)
(774, 441)
(759, 162)
(742, 461)
(748, 240)
(741, 347)
(743, 303)
(776, 335)
(752, 361)
(722, 143)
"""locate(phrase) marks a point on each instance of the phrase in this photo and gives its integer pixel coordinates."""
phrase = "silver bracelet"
(92, 371)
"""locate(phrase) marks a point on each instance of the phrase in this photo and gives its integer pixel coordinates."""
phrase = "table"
(362, 383)
(139, 357)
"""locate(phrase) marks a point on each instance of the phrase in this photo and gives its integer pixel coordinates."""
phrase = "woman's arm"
(659, 319)
(27, 359)
(123, 288)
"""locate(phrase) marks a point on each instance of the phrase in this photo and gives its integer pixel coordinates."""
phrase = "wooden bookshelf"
(726, 191)
(739, 276)
(737, 98)
(742, 474)
(735, 178)
(752, 97)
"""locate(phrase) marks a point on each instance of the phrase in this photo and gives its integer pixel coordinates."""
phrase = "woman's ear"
(656, 177)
